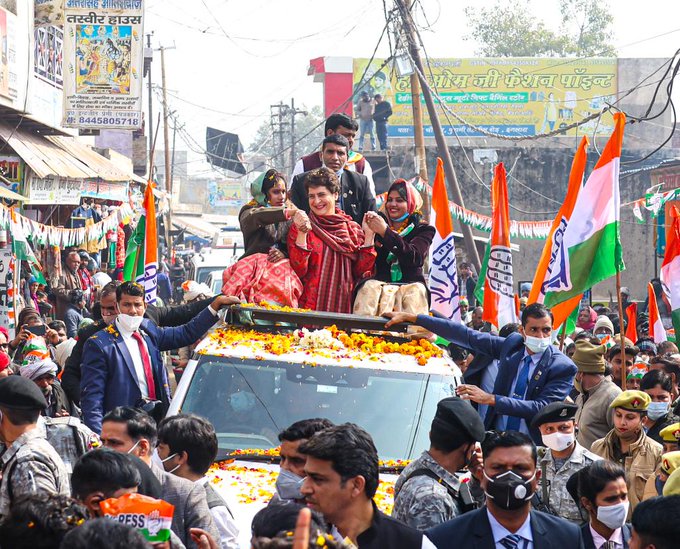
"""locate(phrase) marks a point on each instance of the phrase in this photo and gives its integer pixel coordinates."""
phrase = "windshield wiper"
(227, 454)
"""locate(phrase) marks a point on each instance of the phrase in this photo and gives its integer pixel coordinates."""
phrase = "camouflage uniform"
(30, 465)
(561, 503)
(421, 502)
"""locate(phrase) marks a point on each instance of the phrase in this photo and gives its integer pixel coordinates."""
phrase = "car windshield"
(249, 402)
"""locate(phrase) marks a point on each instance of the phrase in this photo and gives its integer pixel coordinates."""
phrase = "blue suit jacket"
(473, 531)
(109, 378)
(552, 380)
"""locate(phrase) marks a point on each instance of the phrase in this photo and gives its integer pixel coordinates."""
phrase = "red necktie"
(146, 361)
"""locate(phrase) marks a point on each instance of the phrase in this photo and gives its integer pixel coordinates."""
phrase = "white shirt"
(500, 532)
(351, 166)
(502, 421)
(599, 541)
(133, 348)
(224, 522)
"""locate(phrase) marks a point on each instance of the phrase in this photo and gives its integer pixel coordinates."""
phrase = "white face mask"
(558, 441)
(537, 344)
(613, 516)
(655, 410)
(129, 323)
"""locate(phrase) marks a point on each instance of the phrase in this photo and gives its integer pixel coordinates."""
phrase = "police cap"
(20, 393)
(456, 417)
(553, 412)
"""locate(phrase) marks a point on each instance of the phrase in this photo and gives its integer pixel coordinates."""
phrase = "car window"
(249, 402)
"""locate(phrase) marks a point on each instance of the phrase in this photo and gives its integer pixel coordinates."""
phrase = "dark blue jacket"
(473, 531)
(551, 381)
(108, 373)
(588, 542)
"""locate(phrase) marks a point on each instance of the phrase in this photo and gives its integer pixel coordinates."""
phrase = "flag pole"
(563, 333)
(624, 370)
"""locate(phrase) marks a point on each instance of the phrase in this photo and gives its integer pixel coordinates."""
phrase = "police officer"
(429, 490)
(29, 464)
(559, 458)
(670, 436)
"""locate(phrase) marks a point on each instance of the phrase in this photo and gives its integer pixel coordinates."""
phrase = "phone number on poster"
(108, 121)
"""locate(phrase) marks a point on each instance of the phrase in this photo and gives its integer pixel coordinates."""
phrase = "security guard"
(29, 464)
(560, 458)
(429, 490)
(670, 436)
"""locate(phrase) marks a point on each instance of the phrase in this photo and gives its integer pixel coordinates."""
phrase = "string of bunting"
(64, 237)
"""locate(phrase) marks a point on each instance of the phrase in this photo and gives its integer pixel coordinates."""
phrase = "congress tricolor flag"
(670, 269)
(591, 246)
(656, 330)
(443, 270)
(499, 301)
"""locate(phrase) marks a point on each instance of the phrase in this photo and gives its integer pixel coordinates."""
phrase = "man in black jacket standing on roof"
(383, 110)
(161, 316)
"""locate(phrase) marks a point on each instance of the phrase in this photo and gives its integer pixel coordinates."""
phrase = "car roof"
(361, 349)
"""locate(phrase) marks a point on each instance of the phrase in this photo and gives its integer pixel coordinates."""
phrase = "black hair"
(569, 348)
(57, 325)
(448, 442)
(103, 470)
(334, 121)
(304, 429)
(322, 177)
(139, 424)
(666, 347)
(335, 139)
(457, 352)
(109, 288)
(584, 335)
(75, 296)
(281, 517)
(536, 310)
(40, 521)
(507, 439)
(25, 314)
(671, 365)
(191, 434)
(656, 521)
(270, 178)
(509, 328)
(104, 532)
(351, 451)
(656, 377)
(594, 478)
(616, 350)
(133, 289)
(20, 418)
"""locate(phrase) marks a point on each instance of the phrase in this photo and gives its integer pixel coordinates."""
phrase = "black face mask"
(509, 490)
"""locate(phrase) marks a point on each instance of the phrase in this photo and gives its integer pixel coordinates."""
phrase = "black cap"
(21, 393)
(456, 417)
(553, 412)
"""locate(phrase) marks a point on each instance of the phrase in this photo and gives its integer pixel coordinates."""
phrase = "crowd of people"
(536, 448)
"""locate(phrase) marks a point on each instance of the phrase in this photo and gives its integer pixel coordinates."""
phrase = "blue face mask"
(601, 336)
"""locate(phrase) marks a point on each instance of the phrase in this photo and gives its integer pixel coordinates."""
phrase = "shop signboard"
(103, 63)
(508, 96)
(54, 190)
(12, 169)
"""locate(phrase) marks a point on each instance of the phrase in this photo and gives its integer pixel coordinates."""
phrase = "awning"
(10, 195)
(102, 166)
(44, 157)
(196, 225)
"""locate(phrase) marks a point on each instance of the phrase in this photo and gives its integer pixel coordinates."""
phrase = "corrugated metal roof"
(102, 166)
(44, 157)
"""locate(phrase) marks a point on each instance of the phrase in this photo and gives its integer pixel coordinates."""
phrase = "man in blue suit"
(122, 363)
(507, 522)
(531, 372)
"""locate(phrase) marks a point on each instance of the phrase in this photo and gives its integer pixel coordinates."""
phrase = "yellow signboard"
(507, 96)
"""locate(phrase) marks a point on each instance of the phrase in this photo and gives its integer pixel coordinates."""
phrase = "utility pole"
(442, 146)
(148, 60)
(277, 113)
(293, 112)
(166, 146)
(419, 135)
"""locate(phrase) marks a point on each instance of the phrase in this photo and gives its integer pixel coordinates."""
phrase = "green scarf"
(395, 269)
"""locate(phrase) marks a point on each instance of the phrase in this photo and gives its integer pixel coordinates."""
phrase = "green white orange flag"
(542, 278)
(591, 245)
(670, 269)
(443, 270)
(499, 301)
(656, 330)
(141, 256)
(20, 246)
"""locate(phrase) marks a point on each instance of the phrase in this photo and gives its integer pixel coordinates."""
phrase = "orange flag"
(562, 310)
(631, 329)
(499, 300)
(150, 246)
(656, 330)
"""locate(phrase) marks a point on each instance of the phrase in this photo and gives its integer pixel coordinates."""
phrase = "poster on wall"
(7, 286)
(12, 169)
(508, 96)
(103, 62)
